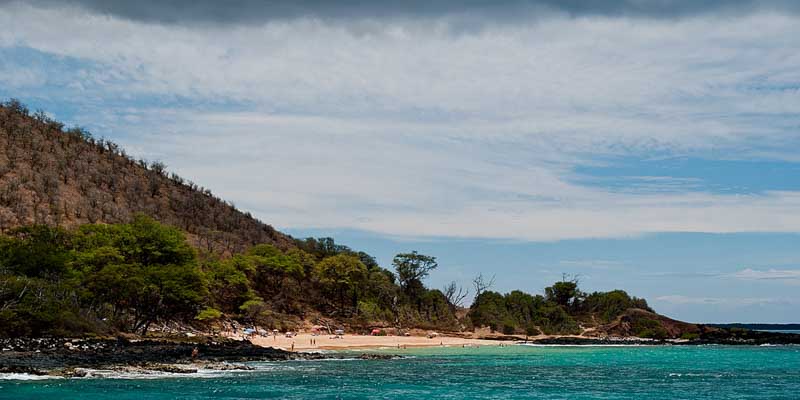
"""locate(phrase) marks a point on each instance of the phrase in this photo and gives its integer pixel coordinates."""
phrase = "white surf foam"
(26, 377)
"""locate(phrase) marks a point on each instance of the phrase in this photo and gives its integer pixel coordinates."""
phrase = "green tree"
(489, 309)
(36, 251)
(522, 307)
(343, 274)
(411, 269)
(562, 293)
(171, 292)
(144, 271)
(229, 284)
(435, 310)
(278, 276)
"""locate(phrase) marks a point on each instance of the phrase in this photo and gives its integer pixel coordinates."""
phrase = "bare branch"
(455, 294)
(481, 284)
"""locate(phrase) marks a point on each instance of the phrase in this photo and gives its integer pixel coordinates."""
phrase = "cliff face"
(67, 178)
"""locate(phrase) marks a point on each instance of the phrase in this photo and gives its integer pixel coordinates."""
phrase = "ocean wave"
(26, 377)
(146, 374)
(696, 375)
(139, 374)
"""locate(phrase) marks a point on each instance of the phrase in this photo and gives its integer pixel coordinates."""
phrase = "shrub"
(208, 314)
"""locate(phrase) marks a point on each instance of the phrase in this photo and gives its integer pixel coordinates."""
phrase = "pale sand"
(327, 342)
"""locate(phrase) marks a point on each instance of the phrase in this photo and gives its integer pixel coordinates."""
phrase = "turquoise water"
(711, 372)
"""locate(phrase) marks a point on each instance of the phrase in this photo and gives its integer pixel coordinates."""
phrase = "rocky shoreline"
(72, 357)
(743, 338)
(65, 357)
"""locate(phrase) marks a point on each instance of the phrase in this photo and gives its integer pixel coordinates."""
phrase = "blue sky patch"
(692, 174)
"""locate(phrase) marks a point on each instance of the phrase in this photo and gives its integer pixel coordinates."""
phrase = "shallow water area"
(555, 372)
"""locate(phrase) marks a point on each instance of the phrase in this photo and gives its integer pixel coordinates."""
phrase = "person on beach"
(195, 353)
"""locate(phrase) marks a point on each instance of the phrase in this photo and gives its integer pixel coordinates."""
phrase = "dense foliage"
(125, 277)
(105, 278)
(561, 310)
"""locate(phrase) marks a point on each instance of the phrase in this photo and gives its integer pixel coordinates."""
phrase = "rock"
(373, 356)
(74, 373)
(173, 369)
(228, 367)
(93, 353)
(18, 369)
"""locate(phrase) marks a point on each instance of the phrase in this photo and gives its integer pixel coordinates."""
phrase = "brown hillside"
(635, 320)
(53, 176)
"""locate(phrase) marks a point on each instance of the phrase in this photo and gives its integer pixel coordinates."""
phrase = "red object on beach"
(376, 332)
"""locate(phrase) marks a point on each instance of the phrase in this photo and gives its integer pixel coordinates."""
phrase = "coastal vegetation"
(107, 278)
(561, 310)
(103, 278)
(93, 241)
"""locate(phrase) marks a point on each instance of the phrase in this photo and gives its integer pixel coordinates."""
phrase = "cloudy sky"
(648, 145)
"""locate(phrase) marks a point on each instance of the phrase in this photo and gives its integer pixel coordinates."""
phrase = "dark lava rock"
(372, 356)
(43, 354)
(19, 369)
(173, 369)
(734, 336)
(228, 367)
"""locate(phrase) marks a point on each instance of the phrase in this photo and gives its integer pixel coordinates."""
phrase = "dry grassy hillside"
(53, 176)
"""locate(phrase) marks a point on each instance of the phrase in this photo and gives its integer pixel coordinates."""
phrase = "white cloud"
(593, 264)
(783, 275)
(721, 301)
(16, 76)
(388, 183)
(408, 128)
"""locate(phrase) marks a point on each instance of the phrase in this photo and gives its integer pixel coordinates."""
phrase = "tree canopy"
(129, 277)
(412, 268)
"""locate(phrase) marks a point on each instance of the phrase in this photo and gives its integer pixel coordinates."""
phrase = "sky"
(648, 145)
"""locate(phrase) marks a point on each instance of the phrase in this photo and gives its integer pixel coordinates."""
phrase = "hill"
(95, 242)
(66, 177)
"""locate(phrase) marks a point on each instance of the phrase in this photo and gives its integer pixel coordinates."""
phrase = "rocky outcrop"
(42, 354)
(637, 322)
(71, 358)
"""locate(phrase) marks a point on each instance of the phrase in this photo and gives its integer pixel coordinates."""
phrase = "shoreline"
(303, 342)
(73, 357)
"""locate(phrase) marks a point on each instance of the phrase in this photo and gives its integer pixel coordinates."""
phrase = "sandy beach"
(303, 342)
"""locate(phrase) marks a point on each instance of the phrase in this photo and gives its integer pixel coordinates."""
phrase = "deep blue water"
(512, 372)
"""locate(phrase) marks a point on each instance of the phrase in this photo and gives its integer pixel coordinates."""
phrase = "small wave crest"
(26, 377)
(198, 372)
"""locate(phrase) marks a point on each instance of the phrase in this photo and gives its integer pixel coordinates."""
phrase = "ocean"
(511, 372)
